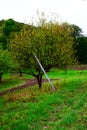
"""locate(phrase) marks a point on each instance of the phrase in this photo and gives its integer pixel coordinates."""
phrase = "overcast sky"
(71, 11)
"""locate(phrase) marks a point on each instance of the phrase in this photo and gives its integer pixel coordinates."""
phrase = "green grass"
(9, 81)
(31, 109)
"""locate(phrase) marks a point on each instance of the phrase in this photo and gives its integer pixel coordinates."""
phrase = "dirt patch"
(30, 82)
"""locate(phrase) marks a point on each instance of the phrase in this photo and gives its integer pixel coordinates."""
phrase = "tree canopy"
(52, 43)
(6, 28)
(82, 50)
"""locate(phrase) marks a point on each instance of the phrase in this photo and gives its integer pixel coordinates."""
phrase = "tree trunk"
(1, 77)
(39, 80)
(20, 73)
(65, 69)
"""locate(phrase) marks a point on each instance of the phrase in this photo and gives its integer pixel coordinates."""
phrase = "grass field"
(31, 109)
(9, 81)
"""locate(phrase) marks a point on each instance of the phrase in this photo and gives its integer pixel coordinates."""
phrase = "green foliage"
(11, 26)
(51, 42)
(76, 31)
(82, 50)
(3, 42)
(80, 44)
(6, 28)
(5, 62)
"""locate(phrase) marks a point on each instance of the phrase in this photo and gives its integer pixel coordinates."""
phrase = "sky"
(71, 11)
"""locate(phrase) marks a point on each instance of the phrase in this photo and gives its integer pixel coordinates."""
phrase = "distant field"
(31, 109)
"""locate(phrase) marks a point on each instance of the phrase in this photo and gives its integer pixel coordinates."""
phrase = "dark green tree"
(6, 28)
(82, 50)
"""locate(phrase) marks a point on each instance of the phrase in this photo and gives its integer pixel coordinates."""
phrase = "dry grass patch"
(30, 94)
